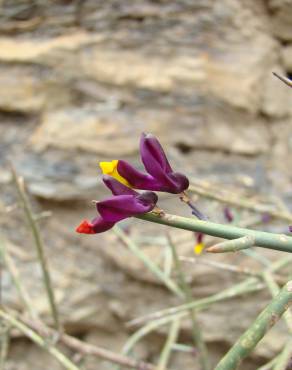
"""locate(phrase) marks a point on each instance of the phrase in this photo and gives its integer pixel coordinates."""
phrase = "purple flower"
(125, 203)
(228, 214)
(266, 217)
(160, 175)
(97, 225)
(200, 245)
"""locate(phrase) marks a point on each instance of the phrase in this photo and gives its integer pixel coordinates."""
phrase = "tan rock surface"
(78, 85)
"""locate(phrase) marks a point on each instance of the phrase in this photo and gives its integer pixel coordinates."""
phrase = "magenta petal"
(122, 206)
(99, 225)
(151, 150)
(180, 182)
(137, 179)
(228, 214)
(116, 187)
(148, 198)
(172, 182)
(156, 163)
(160, 176)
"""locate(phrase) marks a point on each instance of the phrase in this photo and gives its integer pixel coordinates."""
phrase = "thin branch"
(11, 267)
(239, 201)
(283, 79)
(233, 245)
(280, 264)
(170, 284)
(5, 341)
(268, 365)
(163, 317)
(89, 349)
(38, 340)
(284, 357)
(274, 290)
(195, 211)
(39, 246)
(278, 242)
(74, 343)
(249, 285)
(147, 329)
(196, 330)
(232, 268)
(170, 341)
(248, 341)
(158, 319)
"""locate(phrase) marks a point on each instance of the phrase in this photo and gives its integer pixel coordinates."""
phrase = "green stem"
(233, 245)
(274, 290)
(179, 347)
(147, 262)
(284, 357)
(280, 264)
(164, 317)
(238, 201)
(224, 266)
(5, 341)
(11, 267)
(196, 331)
(248, 341)
(145, 330)
(249, 285)
(39, 247)
(279, 242)
(38, 340)
(171, 339)
(269, 364)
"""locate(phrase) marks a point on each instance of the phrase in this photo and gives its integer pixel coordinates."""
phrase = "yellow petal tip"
(198, 249)
(110, 168)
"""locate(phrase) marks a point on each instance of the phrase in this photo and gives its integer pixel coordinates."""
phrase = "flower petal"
(85, 227)
(100, 225)
(110, 168)
(198, 248)
(116, 187)
(151, 150)
(97, 225)
(179, 182)
(137, 179)
(123, 206)
(172, 182)
(157, 165)
(148, 198)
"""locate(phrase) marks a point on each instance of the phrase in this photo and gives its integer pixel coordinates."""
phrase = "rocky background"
(79, 81)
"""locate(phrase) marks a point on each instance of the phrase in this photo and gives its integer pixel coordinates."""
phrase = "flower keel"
(160, 176)
(111, 169)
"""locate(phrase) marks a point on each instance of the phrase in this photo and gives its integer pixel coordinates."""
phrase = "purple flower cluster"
(160, 176)
(126, 202)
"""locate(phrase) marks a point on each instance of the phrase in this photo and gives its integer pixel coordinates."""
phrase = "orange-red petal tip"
(85, 228)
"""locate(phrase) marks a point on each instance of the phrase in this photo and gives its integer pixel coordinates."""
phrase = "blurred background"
(79, 81)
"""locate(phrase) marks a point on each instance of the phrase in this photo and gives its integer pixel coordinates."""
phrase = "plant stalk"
(248, 341)
(196, 330)
(39, 247)
(263, 239)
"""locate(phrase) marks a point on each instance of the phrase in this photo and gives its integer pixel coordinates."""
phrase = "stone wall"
(79, 81)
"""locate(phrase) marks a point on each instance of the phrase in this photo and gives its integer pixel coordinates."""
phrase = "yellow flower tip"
(110, 168)
(198, 248)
